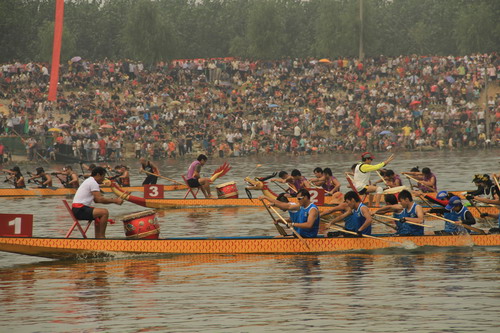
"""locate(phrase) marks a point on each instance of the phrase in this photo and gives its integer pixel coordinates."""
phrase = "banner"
(56, 50)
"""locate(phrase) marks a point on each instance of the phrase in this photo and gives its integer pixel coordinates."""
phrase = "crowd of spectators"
(235, 107)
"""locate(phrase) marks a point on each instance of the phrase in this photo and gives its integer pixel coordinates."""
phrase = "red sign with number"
(317, 196)
(153, 191)
(16, 225)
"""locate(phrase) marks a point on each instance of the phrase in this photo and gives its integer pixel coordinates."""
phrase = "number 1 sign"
(16, 225)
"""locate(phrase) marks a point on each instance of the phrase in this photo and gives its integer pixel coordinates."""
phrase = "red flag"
(56, 50)
(357, 120)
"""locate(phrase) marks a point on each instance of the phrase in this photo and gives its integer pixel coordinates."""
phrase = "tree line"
(155, 30)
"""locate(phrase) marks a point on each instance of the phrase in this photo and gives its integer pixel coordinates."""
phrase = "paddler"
(392, 179)
(361, 177)
(287, 179)
(45, 178)
(361, 220)
(412, 212)
(307, 220)
(152, 169)
(16, 177)
(331, 184)
(70, 179)
(427, 181)
(88, 193)
(487, 192)
(194, 179)
(282, 197)
(122, 176)
(456, 211)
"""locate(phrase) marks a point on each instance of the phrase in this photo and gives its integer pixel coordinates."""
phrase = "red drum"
(227, 191)
(141, 225)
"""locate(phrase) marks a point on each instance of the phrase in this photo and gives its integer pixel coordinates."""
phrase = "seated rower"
(319, 179)
(294, 214)
(45, 178)
(299, 182)
(16, 177)
(287, 179)
(391, 179)
(307, 220)
(71, 180)
(346, 215)
(427, 181)
(456, 211)
(412, 213)
(331, 184)
(487, 193)
(151, 170)
(361, 220)
(122, 176)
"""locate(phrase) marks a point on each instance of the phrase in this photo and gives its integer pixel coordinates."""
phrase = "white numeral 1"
(17, 225)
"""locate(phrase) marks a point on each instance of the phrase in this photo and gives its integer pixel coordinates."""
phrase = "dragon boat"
(240, 202)
(79, 248)
(62, 191)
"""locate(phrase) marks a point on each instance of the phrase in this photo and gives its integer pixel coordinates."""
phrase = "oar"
(253, 170)
(496, 182)
(281, 187)
(422, 197)
(378, 173)
(160, 176)
(480, 231)
(293, 229)
(384, 223)
(363, 235)
(478, 211)
(396, 219)
(249, 194)
(418, 181)
(280, 229)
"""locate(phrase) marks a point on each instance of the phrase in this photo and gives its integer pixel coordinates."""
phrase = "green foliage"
(152, 30)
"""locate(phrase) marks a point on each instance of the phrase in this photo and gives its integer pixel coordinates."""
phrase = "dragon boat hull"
(32, 192)
(68, 248)
(234, 202)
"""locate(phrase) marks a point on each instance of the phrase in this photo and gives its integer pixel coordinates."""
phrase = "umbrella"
(415, 103)
(55, 129)
(272, 105)
(133, 118)
(175, 103)
(385, 132)
(106, 126)
(324, 60)
(76, 59)
(64, 125)
(450, 79)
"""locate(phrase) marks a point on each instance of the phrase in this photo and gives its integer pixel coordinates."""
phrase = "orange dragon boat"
(79, 248)
(62, 191)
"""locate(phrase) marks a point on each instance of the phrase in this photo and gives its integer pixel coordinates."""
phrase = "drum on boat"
(141, 225)
(227, 191)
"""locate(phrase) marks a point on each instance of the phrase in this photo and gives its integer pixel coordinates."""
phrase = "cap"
(454, 202)
(39, 170)
(367, 155)
(442, 195)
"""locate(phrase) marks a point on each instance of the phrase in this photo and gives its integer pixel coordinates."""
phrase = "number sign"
(317, 196)
(153, 191)
(16, 225)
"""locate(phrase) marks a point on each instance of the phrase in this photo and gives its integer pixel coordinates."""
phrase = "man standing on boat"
(46, 179)
(86, 195)
(151, 170)
(307, 219)
(194, 178)
(361, 177)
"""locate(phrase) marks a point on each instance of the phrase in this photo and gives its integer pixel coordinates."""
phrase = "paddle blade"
(267, 177)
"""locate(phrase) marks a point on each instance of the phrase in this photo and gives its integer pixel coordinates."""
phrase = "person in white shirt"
(88, 193)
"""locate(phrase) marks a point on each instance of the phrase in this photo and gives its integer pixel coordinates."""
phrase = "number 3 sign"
(153, 191)
(16, 225)
(317, 196)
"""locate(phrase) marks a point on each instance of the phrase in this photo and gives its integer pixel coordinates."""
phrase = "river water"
(398, 290)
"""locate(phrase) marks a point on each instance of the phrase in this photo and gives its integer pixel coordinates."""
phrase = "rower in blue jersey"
(411, 213)
(392, 205)
(459, 213)
(361, 219)
(307, 219)
(346, 216)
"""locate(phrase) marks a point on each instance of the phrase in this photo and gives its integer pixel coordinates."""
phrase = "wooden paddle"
(384, 223)
(293, 229)
(396, 219)
(479, 231)
(496, 182)
(280, 229)
(393, 190)
(418, 181)
(478, 211)
(160, 176)
(363, 235)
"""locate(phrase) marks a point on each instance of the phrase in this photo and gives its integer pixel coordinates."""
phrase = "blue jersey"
(302, 218)
(406, 229)
(455, 216)
(294, 215)
(356, 220)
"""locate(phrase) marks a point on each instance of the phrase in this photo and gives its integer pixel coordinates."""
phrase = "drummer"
(16, 177)
(194, 178)
(88, 193)
(46, 179)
